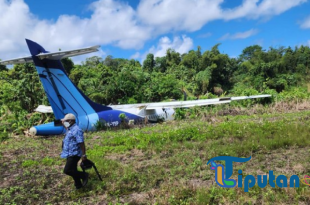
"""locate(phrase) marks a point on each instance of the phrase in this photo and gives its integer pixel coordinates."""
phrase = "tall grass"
(165, 163)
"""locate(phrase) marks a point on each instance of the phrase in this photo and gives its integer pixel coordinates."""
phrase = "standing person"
(73, 149)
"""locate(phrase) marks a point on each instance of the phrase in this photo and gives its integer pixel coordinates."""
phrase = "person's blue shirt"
(71, 142)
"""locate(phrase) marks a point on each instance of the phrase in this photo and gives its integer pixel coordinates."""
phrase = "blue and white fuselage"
(64, 97)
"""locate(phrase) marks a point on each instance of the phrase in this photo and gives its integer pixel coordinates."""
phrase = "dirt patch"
(136, 198)
(127, 158)
(200, 183)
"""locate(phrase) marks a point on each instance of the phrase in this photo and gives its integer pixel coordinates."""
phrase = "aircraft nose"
(33, 131)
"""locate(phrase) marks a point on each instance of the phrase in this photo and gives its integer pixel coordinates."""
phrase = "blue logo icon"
(222, 176)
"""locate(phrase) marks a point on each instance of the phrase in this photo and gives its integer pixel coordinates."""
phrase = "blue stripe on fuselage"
(73, 100)
(112, 116)
(51, 95)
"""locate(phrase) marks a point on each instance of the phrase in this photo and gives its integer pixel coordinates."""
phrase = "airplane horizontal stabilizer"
(44, 109)
(65, 54)
(52, 56)
(17, 61)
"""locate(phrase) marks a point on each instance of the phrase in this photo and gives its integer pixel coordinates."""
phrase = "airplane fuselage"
(110, 118)
(65, 97)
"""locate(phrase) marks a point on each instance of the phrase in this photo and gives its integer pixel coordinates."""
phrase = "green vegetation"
(166, 163)
(282, 72)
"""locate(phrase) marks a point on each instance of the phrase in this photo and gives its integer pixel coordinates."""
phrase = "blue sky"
(131, 29)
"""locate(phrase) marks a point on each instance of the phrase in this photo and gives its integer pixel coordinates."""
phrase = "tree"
(202, 79)
(149, 63)
(23, 89)
(220, 66)
(93, 61)
(160, 64)
(172, 57)
(3, 67)
(250, 52)
(68, 65)
(162, 87)
(191, 60)
(289, 60)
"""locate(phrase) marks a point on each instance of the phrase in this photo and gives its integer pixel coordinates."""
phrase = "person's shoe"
(78, 187)
(85, 179)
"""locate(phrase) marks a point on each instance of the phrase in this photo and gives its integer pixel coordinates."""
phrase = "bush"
(3, 136)
(122, 116)
(180, 114)
(293, 94)
(101, 125)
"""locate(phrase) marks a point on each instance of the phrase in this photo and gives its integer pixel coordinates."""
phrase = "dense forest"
(282, 72)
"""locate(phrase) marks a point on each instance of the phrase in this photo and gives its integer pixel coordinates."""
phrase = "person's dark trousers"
(71, 170)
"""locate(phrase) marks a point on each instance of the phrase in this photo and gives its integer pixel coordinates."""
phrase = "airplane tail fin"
(63, 95)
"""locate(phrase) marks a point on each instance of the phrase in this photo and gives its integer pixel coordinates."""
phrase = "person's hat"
(69, 116)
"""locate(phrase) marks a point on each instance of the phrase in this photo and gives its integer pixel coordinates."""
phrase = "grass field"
(165, 163)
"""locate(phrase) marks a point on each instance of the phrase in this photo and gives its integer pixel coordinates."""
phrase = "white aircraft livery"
(64, 97)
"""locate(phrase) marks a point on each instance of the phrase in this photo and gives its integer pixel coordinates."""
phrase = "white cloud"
(137, 55)
(112, 22)
(80, 59)
(180, 45)
(306, 23)
(167, 15)
(115, 22)
(275, 7)
(240, 35)
(260, 9)
(184, 15)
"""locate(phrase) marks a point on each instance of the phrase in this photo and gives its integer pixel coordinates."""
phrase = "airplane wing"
(174, 104)
(27, 59)
(190, 103)
(193, 103)
(52, 56)
(65, 54)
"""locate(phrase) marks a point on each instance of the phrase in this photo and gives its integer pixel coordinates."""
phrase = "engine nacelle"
(47, 129)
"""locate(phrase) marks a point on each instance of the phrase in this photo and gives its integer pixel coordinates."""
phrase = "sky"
(133, 28)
